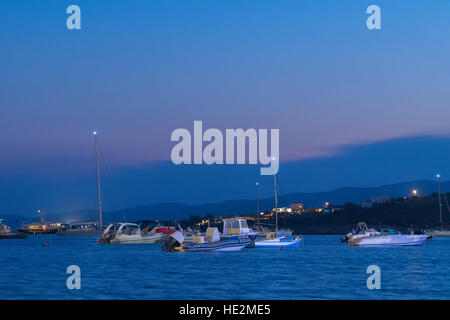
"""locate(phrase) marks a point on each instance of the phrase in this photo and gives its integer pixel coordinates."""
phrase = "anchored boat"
(6, 233)
(278, 239)
(79, 229)
(362, 236)
(210, 242)
(131, 233)
(441, 231)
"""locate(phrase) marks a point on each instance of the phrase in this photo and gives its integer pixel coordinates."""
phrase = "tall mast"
(276, 202)
(439, 192)
(99, 190)
(257, 202)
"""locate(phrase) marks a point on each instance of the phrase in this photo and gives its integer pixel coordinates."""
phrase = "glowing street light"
(415, 192)
(327, 204)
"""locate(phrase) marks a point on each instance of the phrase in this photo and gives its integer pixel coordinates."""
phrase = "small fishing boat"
(6, 233)
(279, 240)
(210, 242)
(131, 233)
(438, 232)
(441, 230)
(40, 228)
(362, 236)
(79, 229)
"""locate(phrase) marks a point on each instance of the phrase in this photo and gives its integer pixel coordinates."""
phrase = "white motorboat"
(362, 236)
(210, 242)
(130, 233)
(6, 233)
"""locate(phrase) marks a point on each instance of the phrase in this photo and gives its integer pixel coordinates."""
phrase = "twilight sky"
(139, 69)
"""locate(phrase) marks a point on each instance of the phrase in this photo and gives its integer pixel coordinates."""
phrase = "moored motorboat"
(131, 233)
(279, 240)
(40, 228)
(6, 233)
(79, 229)
(438, 233)
(362, 236)
(210, 242)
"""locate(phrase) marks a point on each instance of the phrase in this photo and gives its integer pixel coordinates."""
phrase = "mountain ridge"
(177, 211)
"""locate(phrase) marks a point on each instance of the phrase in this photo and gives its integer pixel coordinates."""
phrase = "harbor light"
(415, 192)
(438, 176)
(327, 204)
(94, 133)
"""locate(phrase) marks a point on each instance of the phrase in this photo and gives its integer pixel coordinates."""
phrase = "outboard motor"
(346, 238)
(106, 239)
(175, 240)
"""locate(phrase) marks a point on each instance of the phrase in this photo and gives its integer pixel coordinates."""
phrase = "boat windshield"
(244, 224)
(232, 224)
(130, 230)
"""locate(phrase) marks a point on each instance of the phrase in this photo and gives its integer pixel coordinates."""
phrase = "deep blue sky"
(351, 103)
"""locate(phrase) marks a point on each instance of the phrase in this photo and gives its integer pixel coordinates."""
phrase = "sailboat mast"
(99, 190)
(257, 201)
(276, 202)
(439, 192)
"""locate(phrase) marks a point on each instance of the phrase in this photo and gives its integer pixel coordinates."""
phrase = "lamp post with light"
(438, 176)
(257, 201)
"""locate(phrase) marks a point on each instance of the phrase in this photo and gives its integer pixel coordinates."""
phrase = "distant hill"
(172, 211)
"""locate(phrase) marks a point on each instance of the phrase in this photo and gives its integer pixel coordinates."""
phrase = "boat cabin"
(235, 226)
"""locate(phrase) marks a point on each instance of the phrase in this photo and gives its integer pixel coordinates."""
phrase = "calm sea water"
(322, 268)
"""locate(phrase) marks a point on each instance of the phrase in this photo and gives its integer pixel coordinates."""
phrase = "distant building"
(375, 200)
(297, 208)
(282, 210)
(326, 210)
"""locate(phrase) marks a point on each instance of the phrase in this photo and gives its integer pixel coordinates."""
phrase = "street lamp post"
(439, 193)
(257, 201)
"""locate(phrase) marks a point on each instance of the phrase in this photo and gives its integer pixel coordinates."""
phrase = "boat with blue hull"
(279, 240)
(210, 242)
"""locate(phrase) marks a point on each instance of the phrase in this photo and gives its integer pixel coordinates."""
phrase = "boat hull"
(390, 240)
(79, 233)
(222, 245)
(282, 241)
(277, 244)
(443, 233)
(137, 240)
(18, 235)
